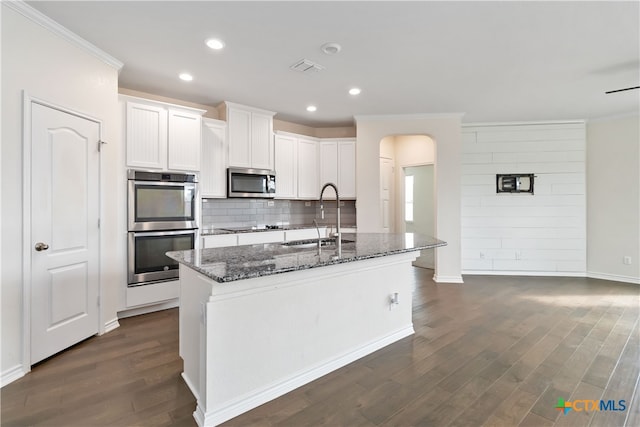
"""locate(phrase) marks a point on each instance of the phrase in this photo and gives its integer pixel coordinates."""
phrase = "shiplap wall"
(544, 233)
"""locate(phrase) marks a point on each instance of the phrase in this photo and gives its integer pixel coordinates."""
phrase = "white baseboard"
(447, 279)
(246, 403)
(525, 273)
(614, 277)
(193, 389)
(111, 325)
(11, 374)
(148, 309)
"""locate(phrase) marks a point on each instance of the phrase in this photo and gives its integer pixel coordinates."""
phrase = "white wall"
(410, 150)
(613, 202)
(544, 233)
(446, 132)
(54, 70)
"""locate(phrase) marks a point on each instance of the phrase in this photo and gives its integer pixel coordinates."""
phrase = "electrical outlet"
(626, 260)
(307, 204)
(271, 203)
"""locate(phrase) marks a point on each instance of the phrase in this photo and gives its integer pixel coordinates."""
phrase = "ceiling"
(492, 61)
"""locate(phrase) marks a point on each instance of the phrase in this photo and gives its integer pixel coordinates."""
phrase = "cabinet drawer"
(304, 234)
(260, 237)
(153, 293)
(219, 241)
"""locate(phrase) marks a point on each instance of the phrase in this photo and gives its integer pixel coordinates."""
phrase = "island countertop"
(244, 262)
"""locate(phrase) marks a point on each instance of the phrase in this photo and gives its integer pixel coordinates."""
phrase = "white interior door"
(386, 194)
(65, 167)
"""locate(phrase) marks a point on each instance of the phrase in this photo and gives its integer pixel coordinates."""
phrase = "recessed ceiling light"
(311, 108)
(186, 77)
(215, 44)
(331, 48)
(354, 91)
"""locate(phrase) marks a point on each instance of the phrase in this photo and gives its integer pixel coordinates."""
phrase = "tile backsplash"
(220, 213)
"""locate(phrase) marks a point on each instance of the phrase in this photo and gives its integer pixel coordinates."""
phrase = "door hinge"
(98, 222)
(100, 145)
(98, 301)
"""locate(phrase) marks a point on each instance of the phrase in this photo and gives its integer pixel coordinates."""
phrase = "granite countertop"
(243, 262)
(249, 229)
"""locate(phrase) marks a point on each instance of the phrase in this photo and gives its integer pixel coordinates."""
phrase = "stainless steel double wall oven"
(162, 217)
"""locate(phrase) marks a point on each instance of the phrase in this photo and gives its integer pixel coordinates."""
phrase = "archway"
(407, 188)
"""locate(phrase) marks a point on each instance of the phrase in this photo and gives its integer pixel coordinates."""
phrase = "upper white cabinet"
(338, 165)
(250, 136)
(214, 158)
(162, 136)
(308, 169)
(286, 166)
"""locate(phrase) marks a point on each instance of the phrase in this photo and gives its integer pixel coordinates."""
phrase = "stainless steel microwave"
(243, 182)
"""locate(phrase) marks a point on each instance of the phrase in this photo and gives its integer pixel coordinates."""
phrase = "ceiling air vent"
(306, 66)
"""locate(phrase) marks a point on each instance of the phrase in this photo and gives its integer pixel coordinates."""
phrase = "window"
(408, 198)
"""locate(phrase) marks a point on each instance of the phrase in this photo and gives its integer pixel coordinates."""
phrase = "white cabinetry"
(286, 166)
(219, 241)
(260, 237)
(308, 169)
(214, 159)
(162, 136)
(338, 165)
(250, 136)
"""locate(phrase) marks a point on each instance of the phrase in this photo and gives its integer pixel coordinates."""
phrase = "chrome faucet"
(338, 237)
(319, 238)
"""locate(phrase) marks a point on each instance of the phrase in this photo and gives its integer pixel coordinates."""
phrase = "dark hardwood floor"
(494, 351)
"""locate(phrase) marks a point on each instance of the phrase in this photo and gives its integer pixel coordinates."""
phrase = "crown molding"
(39, 18)
(378, 117)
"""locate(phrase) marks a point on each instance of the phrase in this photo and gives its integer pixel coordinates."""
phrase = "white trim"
(525, 273)
(167, 105)
(111, 325)
(11, 374)
(534, 123)
(27, 101)
(26, 232)
(39, 18)
(248, 108)
(419, 116)
(447, 279)
(192, 387)
(149, 309)
(626, 115)
(246, 403)
(613, 277)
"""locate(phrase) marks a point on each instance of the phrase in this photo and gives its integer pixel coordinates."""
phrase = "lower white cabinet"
(304, 234)
(219, 241)
(260, 237)
(213, 174)
(153, 293)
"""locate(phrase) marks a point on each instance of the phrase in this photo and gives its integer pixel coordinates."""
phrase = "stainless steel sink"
(310, 243)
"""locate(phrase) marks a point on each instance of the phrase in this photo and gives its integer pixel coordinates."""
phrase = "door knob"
(41, 246)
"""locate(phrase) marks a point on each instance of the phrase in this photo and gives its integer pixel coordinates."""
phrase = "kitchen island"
(258, 321)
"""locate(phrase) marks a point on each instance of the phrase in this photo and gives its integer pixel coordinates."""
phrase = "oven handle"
(165, 184)
(164, 233)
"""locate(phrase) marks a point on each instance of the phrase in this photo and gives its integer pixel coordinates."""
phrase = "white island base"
(249, 341)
